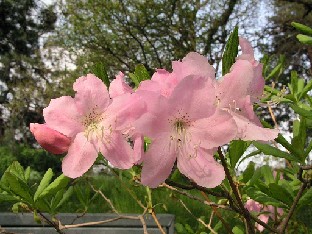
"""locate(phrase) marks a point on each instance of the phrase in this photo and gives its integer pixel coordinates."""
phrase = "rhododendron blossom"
(164, 82)
(269, 212)
(51, 140)
(185, 127)
(95, 123)
(236, 92)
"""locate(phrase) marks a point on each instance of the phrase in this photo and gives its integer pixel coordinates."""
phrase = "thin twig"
(53, 224)
(196, 198)
(143, 224)
(282, 227)
(105, 198)
(215, 210)
(198, 219)
(241, 206)
(263, 224)
(157, 222)
(99, 222)
(129, 190)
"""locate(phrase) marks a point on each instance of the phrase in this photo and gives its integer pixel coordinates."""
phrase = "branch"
(241, 206)
(105, 198)
(98, 222)
(221, 21)
(196, 198)
(281, 228)
(157, 222)
(306, 5)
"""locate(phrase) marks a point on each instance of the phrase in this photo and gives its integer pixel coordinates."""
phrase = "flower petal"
(158, 161)
(193, 64)
(166, 81)
(91, 93)
(252, 130)
(214, 131)
(235, 85)
(62, 115)
(124, 110)
(51, 140)
(117, 151)
(194, 96)
(202, 168)
(138, 148)
(81, 156)
(155, 119)
(118, 86)
(246, 47)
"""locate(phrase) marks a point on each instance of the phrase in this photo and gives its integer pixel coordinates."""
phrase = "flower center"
(181, 137)
(94, 126)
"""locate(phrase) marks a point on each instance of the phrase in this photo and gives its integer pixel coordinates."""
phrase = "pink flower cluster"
(268, 212)
(187, 114)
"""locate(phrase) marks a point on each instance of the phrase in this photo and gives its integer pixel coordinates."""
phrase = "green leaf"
(304, 39)
(8, 198)
(44, 183)
(27, 174)
(140, 74)
(59, 183)
(56, 199)
(100, 71)
(236, 150)
(299, 135)
(16, 169)
(308, 150)
(256, 152)
(69, 192)
(230, 52)
(237, 230)
(249, 172)
(301, 111)
(262, 198)
(270, 150)
(278, 70)
(281, 140)
(266, 171)
(189, 229)
(43, 205)
(179, 227)
(293, 85)
(280, 193)
(302, 28)
(306, 198)
(19, 187)
(256, 177)
(263, 187)
(304, 214)
(305, 89)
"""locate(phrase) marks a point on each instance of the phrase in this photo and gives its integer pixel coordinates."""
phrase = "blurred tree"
(282, 36)
(22, 71)
(279, 39)
(121, 34)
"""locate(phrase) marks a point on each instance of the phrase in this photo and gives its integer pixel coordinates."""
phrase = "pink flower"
(236, 92)
(256, 87)
(118, 86)
(164, 82)
(161, 82)
(254, 206)
(193, 64)
(186, 126)
(95, 123)
(51, 140)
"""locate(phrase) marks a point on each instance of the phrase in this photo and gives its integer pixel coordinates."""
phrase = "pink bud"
(51, 140)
